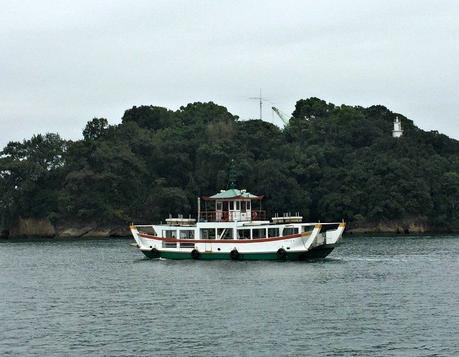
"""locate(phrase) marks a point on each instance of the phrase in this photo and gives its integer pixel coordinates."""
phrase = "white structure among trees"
(397, 132)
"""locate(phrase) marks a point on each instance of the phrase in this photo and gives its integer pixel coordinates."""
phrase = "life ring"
(155, 253)
(235, 255)
(195, 254)
(281, 254)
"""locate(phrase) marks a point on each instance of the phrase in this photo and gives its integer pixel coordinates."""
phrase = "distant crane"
(284, 117)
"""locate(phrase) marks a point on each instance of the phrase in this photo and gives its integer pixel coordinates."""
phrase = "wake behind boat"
(232, 229)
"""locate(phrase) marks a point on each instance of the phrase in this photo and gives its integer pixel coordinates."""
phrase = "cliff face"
(32, 227)
(413, 226)
(25, 227)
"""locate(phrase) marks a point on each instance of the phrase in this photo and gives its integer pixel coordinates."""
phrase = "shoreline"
(36, 238)
(20, 239)
(33, 228)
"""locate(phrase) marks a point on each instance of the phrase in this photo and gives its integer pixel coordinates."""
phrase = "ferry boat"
(230, 228)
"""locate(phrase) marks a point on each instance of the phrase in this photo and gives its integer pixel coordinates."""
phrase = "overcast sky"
(65, 62)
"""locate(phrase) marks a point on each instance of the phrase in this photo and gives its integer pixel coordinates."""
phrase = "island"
(371, 167)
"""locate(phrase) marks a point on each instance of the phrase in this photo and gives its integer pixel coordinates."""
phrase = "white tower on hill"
(397, 132)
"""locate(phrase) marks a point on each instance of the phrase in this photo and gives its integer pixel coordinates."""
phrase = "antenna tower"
(260, 100)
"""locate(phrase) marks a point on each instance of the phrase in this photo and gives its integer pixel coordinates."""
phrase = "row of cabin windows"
(258, 233)
(227, 233)
(233, 205)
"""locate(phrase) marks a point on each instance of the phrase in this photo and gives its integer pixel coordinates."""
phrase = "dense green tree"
(150, 117)
(95, 128)
(312, 108)
(30, 174)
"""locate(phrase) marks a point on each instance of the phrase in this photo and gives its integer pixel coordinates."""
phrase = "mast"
(232, 176)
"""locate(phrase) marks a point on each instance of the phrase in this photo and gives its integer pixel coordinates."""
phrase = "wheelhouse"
(231, 205)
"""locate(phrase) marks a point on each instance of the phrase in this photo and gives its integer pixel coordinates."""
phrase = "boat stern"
(333, 236)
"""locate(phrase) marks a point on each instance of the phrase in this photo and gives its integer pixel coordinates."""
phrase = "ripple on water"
(372, 296)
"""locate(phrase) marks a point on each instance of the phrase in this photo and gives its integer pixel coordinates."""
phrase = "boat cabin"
(230, 206)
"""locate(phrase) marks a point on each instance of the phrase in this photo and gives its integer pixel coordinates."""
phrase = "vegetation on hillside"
(330, 163)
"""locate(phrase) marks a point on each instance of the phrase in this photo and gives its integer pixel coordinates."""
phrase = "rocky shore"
(32, 227)
(413, 226)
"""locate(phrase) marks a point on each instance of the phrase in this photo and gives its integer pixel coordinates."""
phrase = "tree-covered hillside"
(330, 163)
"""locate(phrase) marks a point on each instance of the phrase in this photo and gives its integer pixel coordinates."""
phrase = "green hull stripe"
(316, 253)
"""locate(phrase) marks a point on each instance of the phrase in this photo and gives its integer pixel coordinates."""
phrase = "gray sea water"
(379, 296)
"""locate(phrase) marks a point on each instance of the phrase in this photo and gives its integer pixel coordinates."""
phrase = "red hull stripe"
(229, 241)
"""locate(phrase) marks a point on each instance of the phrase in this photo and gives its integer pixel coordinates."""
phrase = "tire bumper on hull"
(314, 253)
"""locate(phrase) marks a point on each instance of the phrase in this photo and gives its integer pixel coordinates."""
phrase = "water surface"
(372, 296)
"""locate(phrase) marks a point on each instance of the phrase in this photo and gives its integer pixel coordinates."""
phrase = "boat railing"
(227, 216)
(258, 215)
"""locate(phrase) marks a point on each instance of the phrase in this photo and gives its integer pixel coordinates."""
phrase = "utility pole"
(261, 106)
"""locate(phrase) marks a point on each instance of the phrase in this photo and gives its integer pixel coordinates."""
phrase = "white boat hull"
(309, 244)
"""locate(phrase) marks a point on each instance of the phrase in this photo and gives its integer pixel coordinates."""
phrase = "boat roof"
(233, 193)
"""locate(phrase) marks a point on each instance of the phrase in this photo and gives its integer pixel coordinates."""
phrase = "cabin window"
(219, 206)
(307, 229)
(186, 234)
(225, 233)
(273, 232)
(186, 245)
(249, 204)
(242, 206)
(170, 234)
(243, 234)
(238, 205)
(207, 233)
(290, 230)
(258, 233)
(231, 205)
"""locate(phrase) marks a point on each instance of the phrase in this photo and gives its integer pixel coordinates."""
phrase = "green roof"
(233, 193)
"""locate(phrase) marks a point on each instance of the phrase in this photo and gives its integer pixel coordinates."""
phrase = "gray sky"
(65, 62)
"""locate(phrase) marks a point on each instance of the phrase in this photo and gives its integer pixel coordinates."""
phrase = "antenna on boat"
(232, 176)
